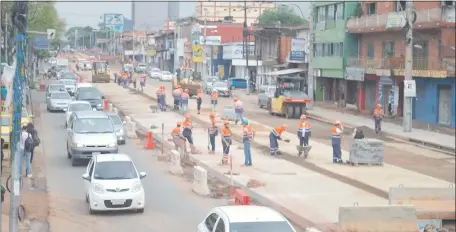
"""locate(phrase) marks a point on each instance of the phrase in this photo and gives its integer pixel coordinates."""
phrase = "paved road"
(170, 204)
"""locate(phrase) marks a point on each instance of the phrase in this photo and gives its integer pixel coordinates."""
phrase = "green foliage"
(42, 54)
(283, 14)
(83, 35)
(358, 10)
(43, 16)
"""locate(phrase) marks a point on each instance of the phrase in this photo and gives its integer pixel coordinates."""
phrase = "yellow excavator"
(100, 72)
(289, 99)
(184, 79)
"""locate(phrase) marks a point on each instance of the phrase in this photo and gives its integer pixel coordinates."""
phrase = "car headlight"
(120, 131)
(78, 145)
(99, 105)
(136, 187)
(112, 145)
(98, 188)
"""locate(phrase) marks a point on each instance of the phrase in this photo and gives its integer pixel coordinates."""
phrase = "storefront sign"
(151, 52)
(297, 51)
(409, 88)
(383, 72)
(211, 40)
(423, 73)
(354, 73)
(235, 52)
(198, 54)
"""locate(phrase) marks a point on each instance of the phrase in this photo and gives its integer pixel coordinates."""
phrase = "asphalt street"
(170, 204)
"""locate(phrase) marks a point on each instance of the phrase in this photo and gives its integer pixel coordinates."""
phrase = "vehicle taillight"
(287, 99)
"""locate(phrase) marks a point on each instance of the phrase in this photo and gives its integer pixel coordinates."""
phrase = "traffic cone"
(150, 144)
(106, 104)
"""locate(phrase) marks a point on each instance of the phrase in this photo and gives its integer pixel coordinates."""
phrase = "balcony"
(426, 19)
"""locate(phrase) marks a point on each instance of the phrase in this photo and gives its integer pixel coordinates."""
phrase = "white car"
(155, 73)
(113, 183)
(166, 76)
(245, 218)
(87, 64)
(76, 106)
(83, 84)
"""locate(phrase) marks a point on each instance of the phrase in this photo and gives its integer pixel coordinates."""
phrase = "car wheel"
(87, 199)
(140, 210)
(74, 162)
(91, 211)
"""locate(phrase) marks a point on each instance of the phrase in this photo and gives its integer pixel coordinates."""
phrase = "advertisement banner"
(114, 22)
(198, 54)
(298, 47)
(211, 40)
(196, 33)
(354, 73)
(180, 47)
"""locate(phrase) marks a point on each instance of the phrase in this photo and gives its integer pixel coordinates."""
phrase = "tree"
(283, 14)
(84, 35)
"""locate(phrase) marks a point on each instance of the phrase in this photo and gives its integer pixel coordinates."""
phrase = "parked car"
(58, 101)
(206, 84)
(68, 75)
(112, 182)
(118, 127)
(166, 76)
(89, 133)
(265, 92)
(154, 73)
(140, 68)
(237, 83)
(221, 88)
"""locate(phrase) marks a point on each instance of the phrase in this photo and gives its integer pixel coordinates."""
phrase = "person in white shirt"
(27, 152)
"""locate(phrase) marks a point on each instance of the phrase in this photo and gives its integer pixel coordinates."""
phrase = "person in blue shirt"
(3, 93)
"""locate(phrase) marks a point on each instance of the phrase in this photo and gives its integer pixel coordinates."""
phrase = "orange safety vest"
(214, 96)
(185, 96)
(378, 112)
(177, 93)
(277, 131)
(334, 133)
(247, 135)
(176, 132)
(187, 124)
(226, 135)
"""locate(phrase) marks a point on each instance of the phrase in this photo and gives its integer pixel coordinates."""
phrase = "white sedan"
(166, 76)
(113, 183)
(245, 218)
(76, 106)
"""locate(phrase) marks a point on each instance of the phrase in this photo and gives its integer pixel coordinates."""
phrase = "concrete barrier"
(378, 218)
(130, 128)
(110, 107)
(430, 203)
(175, 165)
(312, 229)
(199, 185)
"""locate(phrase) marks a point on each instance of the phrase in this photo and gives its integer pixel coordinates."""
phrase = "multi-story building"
(377, 59)
(218, 10)
(332, 45)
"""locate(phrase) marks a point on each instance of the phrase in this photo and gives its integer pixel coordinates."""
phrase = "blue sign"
(117, 28)
(114, 21)
(41, 43)
(298, 47)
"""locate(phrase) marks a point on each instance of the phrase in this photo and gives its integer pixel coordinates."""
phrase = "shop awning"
(286, 72)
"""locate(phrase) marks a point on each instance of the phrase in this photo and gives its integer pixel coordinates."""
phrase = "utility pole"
(310, 71)
(204, 45)
(245, 47)
(6, 38)
(75, 38)
(407, 117)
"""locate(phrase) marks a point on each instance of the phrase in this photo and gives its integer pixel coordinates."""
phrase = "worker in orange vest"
(177, 94)
(304, 131)
(163, 97)
(336, 132)
(378, 116)
(226, 142)
(212, 133)
(187, 127)
(274, 137)
(214, 98)
(185, 97)
(158, 92)
(247, 136)
(178, 138)
(199, 100)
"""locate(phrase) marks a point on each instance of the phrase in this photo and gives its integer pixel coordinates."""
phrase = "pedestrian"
(177, 97)
(336, 141)
(36, 140)
(3, 156)
(199, 101)
(158, 92)
(274, 137)
(163, 100)
(187, 127)
(212, 132)
(184, 98)
(125, 79)
(238, 110)
(214, 98)
(26, 145)
(142, 82)
(226, 142)
(178, 138)
(378, 116)
(304, 131)
(247, 137)
(133, 79)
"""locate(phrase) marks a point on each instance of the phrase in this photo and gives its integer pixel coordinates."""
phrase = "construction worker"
(247, 136)
(378, 116)
(177, 93)
(304, 131)
(238, 110)
(214, 98)
(163, 100)
(178, 138)
(187, 127)
(212, 132)
(199, 100)
(184, 98)
(336, 141)
(226, 142)
(274, 137)
(158, 92)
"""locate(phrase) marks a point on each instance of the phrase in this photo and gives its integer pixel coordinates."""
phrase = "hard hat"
(337, 123)
(284, 126)
(226, 122)
(303, 116)
(179, 123)
(187, 115)
(235, 98)
(212, 115)
(245, 122)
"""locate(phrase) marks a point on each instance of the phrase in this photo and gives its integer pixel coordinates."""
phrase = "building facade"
(378, 66)
(332, 45)
(218, 10)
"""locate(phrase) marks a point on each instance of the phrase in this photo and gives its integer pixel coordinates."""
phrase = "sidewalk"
(275, 173)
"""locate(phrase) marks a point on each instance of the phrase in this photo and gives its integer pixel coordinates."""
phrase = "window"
(338, 49)
(220, 226)
(420, 49)
(339, 11)
(371, 8)
(321, 14)
(400, 6)
(331, 12)
(210, 221)
(370, 50)
(447, 3)
(388, 49)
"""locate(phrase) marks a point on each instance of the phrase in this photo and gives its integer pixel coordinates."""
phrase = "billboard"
(114, 21)
(41, 43)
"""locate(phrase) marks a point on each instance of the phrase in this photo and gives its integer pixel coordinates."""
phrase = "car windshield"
(56, 87)
(115, 120)
(115, 170)
(261, 227)
(68, 75)
(63, 95)
(155, 70)
(80, 107)
(5, 121)
(93, 125)
(100, 65)
(68, 82)
(219, 84)
(89, 95)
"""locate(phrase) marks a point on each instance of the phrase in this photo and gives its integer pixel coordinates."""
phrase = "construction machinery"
(185, 79)
(289, 99)
(100, 72)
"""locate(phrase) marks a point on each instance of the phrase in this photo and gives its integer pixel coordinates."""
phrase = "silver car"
(54, 88)
(222, 88)
(70, 85)
(155, 73)
(90, 133)
(118, 127)
(266, 92)
(207, 83)
(166, 76)
(58, 101)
